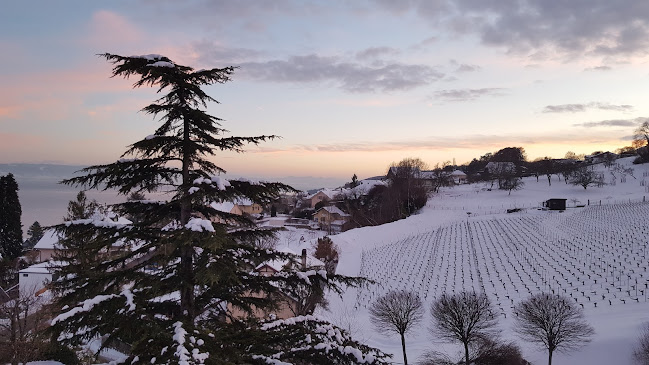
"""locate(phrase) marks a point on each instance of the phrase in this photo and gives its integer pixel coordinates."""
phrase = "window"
(25, 275)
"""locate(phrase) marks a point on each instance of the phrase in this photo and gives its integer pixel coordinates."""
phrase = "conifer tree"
(81, 208)
(34, 233)
(11, 233)
(169, 296)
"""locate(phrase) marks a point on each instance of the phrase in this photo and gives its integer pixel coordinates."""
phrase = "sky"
(350, 86)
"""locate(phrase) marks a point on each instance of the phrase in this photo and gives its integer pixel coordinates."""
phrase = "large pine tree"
(11, 232)
(165, 285)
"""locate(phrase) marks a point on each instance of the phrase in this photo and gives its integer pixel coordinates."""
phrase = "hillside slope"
(595, 254)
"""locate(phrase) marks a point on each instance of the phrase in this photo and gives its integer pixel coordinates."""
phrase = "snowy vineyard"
(597, 256)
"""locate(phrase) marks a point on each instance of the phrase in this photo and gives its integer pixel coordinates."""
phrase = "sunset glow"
(349, 86)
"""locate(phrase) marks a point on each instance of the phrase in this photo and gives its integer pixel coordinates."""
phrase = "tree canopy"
(11, 233)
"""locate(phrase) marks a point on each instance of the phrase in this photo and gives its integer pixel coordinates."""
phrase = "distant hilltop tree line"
(409, 182)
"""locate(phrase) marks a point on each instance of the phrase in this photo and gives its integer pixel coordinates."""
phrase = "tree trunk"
(467, 361)
(549, 357)
(403, 347)
(186, 251)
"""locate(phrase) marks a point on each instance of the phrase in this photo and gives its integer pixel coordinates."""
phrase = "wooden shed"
(555, 204)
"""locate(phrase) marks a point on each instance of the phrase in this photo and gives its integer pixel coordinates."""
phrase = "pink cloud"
(111, 30)
(13, 142)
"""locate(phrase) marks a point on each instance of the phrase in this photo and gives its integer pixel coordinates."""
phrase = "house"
(458, 177)
(331, 218)
(287, 307)
(34, 279)
(555, 204)
(239, 207)
(46, 246)
(323, 195)
(430, 179)
(600, 157)
(49, 243)
(362, 188)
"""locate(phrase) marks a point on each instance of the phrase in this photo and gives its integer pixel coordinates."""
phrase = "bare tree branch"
(552, 321)
(398, 312)
(466, 317)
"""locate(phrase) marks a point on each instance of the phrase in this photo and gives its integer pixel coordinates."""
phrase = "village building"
(287, 307)
(331, 219)
(555, 204)
(600, 157)
(324, 195)
(459, 177)
(47, 245)
(34, 279)
(239, 207)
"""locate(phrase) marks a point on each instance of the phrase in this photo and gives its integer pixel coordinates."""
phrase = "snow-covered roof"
(458, 173)
(227, 206)
(122, 220)
(41, 268)
(49, 241)
(330, 193)
(223, 207)
(334, 210)
(363, 188)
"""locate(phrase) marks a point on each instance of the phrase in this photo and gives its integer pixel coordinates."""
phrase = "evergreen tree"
(169, 298)
(81, 208)
(35, 233)
(11, 232)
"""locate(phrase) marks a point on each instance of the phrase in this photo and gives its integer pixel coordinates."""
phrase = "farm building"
(555, 204)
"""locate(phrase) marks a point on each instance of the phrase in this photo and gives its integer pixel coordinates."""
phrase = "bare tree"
(441, 176)
(641, 350)
(399, 312)
(641, 142)
(510, 183)
(466, 317)
(553, 321)
(22, 321)
(407, 180)
(586, 176)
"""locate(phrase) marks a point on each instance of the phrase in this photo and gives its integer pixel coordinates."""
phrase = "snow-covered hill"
(595, 254)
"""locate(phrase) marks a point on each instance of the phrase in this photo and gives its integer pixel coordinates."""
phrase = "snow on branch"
(182, 353)
(162, 64)
(85, 306)
(99, 223)
(149, 57)
(199, 225)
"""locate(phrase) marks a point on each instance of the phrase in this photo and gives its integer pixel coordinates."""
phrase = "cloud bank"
(575, 108)
(614, 123)
(349, 76)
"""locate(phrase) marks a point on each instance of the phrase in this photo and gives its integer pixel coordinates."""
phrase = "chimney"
(304, 259)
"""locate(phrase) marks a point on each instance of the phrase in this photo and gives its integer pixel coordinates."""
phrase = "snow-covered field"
(595, 254)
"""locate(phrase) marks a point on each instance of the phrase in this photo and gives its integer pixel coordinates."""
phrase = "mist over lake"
(43, 199)
(41, 196)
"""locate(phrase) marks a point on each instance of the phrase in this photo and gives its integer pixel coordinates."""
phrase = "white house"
(458, 176)
(47, 245)
(33, 279)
